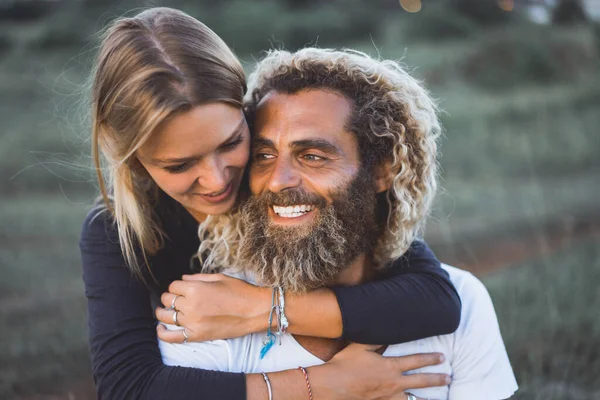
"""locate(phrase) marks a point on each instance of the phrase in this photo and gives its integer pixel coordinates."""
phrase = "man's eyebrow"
(238, 129)
(264, 142)
(320, 144)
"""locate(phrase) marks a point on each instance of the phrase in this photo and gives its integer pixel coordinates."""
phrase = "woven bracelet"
(310, 396)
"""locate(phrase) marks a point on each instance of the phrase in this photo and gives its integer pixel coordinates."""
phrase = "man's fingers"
(203, 277)
(171, 336)
(408, 363)
(417, 381)
(166, 316)
(364, 347)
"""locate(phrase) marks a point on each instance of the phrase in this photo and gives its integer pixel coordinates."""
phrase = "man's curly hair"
(394, 119)
(393, 116)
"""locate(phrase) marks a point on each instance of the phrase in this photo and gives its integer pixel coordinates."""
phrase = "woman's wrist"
(259, 313)
(316, 313)
(288, 385)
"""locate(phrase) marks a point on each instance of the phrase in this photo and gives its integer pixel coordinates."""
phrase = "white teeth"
(292, 211)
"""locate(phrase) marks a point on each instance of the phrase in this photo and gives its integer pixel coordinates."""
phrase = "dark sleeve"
(126, 361)
(414, 300)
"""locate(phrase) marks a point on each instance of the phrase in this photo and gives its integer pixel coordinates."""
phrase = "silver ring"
(185, 336)
(173, 302)
(410, 396)
(175, 318)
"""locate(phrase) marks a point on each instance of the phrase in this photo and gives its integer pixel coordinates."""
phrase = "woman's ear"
(383, 176)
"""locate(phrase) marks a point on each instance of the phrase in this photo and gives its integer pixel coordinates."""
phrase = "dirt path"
(485, 254)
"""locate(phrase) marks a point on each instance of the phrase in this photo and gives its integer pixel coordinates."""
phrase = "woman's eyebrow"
(237, 130)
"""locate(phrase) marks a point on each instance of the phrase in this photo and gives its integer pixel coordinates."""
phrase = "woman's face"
(198, 157)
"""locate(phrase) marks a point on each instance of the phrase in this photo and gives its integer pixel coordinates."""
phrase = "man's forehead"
(316, 113)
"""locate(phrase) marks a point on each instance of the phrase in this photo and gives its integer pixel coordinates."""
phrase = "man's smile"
(293, 214)
(292, 211)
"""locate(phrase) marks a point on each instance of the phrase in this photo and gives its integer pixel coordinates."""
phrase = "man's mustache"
(291, 197)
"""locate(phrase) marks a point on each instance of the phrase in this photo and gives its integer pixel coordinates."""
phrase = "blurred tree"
(26, 10)
(439, 21)
(485, 12)
(569, 12)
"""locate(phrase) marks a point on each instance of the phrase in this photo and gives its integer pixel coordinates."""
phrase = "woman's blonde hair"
(394, 118)
(150, 67)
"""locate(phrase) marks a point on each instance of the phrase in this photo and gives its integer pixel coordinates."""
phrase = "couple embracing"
(300, 195)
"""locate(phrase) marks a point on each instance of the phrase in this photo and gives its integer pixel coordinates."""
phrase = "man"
(343, 174)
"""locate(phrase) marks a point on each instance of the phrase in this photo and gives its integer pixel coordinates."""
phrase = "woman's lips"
(219, 197)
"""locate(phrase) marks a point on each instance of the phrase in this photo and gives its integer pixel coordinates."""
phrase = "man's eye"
(263, 156)
(313, 157)
(179, 168)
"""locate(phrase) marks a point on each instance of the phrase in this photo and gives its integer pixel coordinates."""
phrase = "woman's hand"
(358, 372)
(213, 306)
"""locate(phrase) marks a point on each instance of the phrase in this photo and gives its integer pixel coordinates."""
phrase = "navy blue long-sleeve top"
(414, 300)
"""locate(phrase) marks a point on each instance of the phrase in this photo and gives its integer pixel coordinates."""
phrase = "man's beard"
(311, 255)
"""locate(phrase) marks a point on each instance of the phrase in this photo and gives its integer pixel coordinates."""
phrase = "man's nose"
(284, 176)
(212, 176)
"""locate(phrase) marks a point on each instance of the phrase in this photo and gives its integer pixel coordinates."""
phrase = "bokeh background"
(520, 85)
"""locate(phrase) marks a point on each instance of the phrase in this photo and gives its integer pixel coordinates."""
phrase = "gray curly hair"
(394, 118)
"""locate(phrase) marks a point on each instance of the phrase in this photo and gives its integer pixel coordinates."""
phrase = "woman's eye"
(175, 169)
(233, 144)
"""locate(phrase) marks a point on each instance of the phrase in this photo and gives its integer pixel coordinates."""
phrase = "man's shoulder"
(477, 306)
(468, 286)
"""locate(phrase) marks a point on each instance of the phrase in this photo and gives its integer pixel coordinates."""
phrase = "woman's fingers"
(408, 363)
(171, 300)
(165, 315)
(409, 398)
(171, 336)
(179, 287)
(203, 277)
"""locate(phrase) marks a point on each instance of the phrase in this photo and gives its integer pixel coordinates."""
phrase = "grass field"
(521, 176)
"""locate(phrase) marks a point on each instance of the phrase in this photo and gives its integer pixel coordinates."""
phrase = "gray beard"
(310, 256)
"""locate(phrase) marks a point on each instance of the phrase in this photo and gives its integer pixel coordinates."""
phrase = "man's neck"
(358, 272)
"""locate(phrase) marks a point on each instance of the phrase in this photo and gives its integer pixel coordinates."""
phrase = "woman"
(167, 117)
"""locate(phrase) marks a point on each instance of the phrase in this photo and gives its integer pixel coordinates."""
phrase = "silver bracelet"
(268, 382)
(283, 321)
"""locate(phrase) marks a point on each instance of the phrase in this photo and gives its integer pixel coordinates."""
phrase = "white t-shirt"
(475, 354)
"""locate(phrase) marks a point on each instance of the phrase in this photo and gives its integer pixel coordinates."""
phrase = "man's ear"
(383, 176)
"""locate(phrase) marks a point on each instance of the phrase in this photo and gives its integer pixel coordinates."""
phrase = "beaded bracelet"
(310, 396)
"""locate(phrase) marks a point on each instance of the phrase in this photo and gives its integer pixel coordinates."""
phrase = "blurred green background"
(520, 85)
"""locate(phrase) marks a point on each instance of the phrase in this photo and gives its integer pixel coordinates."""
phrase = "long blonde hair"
(150, 67)
(394, 117)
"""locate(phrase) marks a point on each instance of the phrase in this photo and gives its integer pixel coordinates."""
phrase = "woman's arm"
(126, 362)
(415, 299)
(357, 372)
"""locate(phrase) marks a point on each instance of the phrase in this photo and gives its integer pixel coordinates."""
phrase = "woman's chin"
(201, 211)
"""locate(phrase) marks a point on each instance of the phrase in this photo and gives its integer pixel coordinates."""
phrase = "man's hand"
(213, 306)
